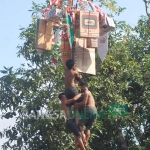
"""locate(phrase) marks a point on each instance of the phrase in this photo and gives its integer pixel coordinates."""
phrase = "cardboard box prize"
(107, 25)
(44, 33)
(85, 60)
(92, 42)
(86, 24)
(80, 43)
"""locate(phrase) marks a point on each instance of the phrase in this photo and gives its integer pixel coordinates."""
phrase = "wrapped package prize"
(107, 25)
(54, 14)
(92, 42)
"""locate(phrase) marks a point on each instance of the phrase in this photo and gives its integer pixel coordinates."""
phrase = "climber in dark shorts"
(70, 76)
(70, 123)
(71, 79)
(90, 112)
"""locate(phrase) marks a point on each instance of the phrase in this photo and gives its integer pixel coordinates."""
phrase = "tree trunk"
(120, 136)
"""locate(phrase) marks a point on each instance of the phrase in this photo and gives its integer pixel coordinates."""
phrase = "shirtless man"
(71, 79)
(70, 124)
(90, 112)
(70, 76)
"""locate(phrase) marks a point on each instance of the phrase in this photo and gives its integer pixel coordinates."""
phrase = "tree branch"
(146, 7)
(138, 132)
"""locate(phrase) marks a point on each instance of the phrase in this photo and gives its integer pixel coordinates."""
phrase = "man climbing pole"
(90, 112)
(71, 83)
(70, 123)
(70, 76)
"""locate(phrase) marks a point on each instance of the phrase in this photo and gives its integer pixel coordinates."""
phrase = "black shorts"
(72, 127)
(88, 117)
(70, 93)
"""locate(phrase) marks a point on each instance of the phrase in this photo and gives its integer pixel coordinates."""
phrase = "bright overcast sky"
(15, 14)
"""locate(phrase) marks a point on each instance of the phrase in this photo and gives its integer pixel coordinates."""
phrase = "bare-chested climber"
(90, 112)
(70, 123)
(71, 82)
(70, 76)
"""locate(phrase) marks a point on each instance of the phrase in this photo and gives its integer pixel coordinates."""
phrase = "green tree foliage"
(123, 78)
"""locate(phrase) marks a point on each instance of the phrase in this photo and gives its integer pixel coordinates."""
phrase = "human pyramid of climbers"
(84, 110)
(83, 26)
